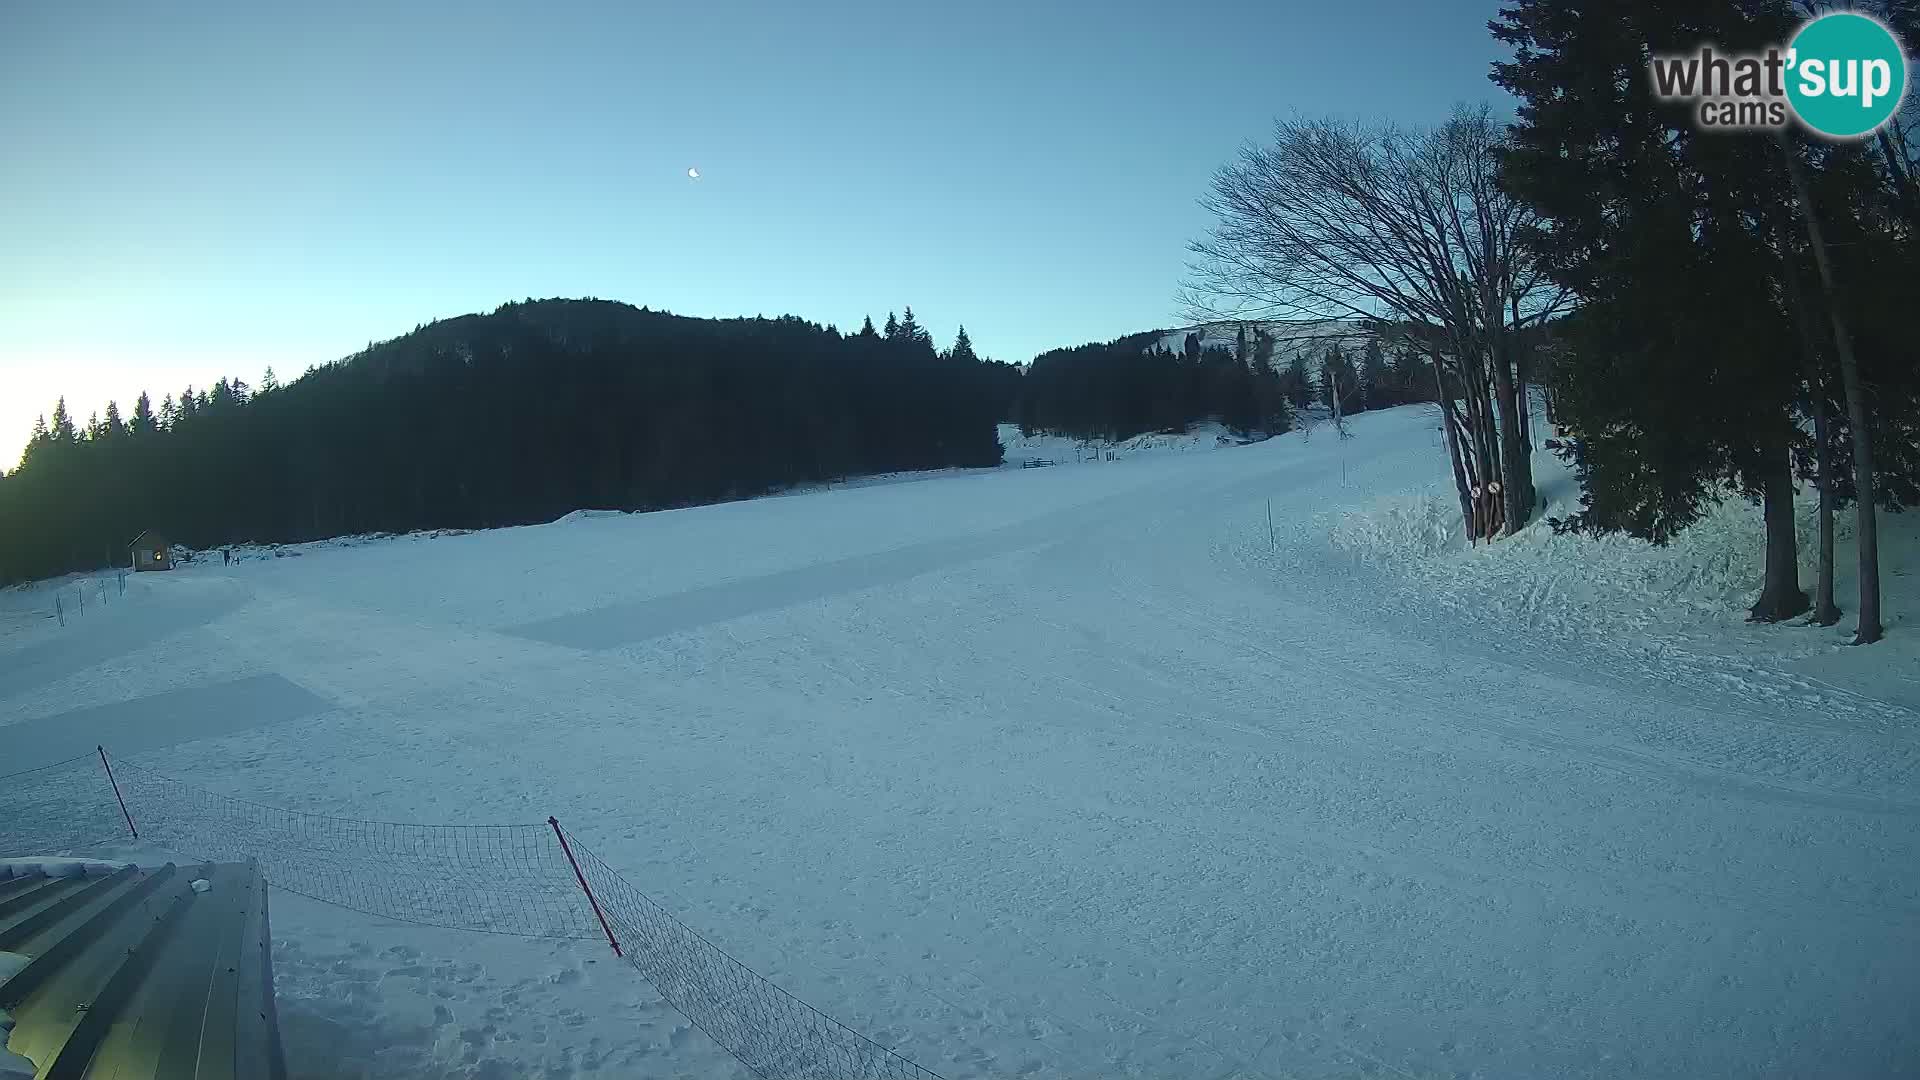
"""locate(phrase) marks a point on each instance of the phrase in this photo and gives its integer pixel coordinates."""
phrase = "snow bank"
(1398, 529)
(261, 552)
(1064, 450)
(12, 1064)
(46, 866)
(1713, 568)
(1685, 602)
(587, 515)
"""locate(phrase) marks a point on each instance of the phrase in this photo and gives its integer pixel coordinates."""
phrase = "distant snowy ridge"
(1309, 337)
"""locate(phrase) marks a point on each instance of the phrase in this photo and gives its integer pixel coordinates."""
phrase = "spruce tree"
(911, 330)
(963, 349)
(1665, 235)
(1374, 378)
(62, 431)
(1299, 392)
(40, 437)
(143, 423)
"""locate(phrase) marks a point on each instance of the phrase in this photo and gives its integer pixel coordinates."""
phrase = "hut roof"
(140, 973)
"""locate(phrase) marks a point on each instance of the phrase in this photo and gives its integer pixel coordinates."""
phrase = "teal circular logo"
(1846, 75)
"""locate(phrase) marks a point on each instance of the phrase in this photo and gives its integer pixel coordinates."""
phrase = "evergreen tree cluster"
(1133, 384)
(1731, 287)
(519, 416)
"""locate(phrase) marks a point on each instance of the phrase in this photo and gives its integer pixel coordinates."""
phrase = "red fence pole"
(116, 791)
(582, 879)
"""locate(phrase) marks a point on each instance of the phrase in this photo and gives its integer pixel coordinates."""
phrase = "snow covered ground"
(1061, 450)
(1077, 772)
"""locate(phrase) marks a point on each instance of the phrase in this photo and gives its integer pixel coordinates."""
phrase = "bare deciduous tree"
(1404, 227)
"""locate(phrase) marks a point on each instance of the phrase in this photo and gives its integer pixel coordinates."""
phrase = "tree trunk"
(1478, 427)
(1825, 611)
(1516, 465)
(1780, 597)
(1866, 527)
(1448, 424)
(1486, 435)
(1526, 407)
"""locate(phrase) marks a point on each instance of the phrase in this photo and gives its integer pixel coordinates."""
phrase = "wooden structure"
(141, 973)
(150, 551)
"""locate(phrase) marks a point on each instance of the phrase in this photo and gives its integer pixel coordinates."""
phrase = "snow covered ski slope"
(1069, 772)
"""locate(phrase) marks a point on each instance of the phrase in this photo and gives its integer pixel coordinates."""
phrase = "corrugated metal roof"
(135, 974)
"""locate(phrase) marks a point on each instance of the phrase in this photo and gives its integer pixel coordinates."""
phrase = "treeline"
(519, 416)
(1259, 384)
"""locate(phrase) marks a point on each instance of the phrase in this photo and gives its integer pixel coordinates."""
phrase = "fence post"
(116, 791)
(582, 879)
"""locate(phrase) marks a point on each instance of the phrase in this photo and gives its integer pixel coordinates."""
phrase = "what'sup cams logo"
(1843, 76)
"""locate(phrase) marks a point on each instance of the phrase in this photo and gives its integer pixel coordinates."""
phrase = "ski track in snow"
(1068, 772)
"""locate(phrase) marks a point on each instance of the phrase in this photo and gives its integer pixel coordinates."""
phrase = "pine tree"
(1299, 393)
(1667, 237)
(963, 348)
(1269, 391)
(912, 331)
(893, 327)
(268, 381)
(866, 328)
(62, 431)
(1374, 378)
(39, 440)
(1339, 383)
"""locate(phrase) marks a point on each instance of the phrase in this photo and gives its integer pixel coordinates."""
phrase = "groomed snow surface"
(1076, 771)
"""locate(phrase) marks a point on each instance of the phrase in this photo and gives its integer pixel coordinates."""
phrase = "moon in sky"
(693, 174)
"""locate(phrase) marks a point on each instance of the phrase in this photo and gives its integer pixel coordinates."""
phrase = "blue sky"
(198, 189)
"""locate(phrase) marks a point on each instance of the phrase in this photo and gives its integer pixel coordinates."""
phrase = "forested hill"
(517, 416)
